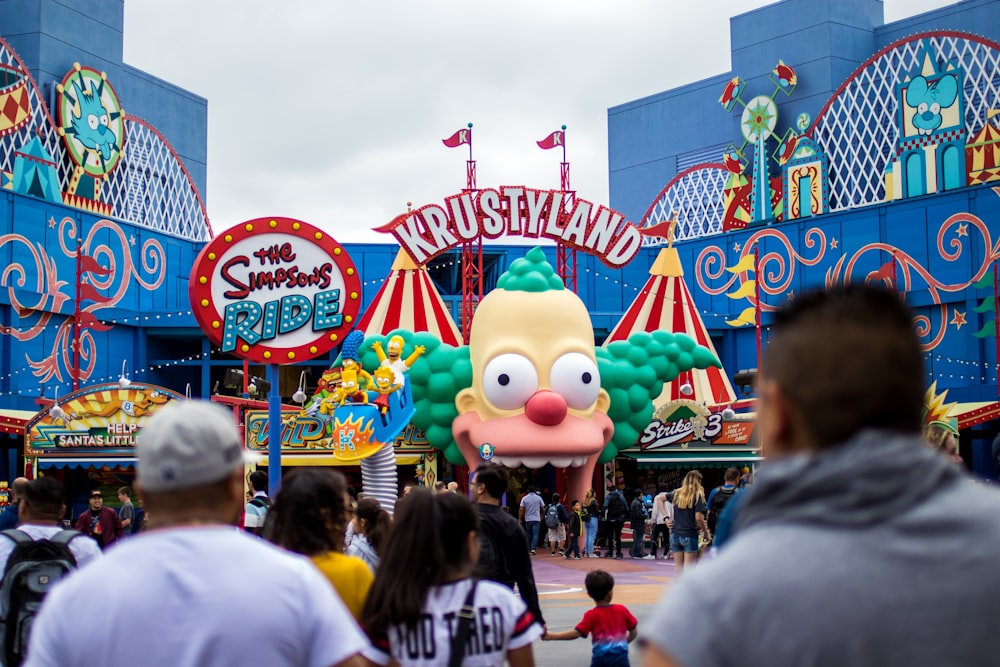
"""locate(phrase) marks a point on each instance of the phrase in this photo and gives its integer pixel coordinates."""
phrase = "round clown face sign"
(275, 290)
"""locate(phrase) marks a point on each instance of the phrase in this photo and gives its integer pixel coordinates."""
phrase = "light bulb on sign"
(687, 389)
(728, 413)
(300, 396)
(123, 381)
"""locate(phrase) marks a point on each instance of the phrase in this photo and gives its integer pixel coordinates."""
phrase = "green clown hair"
(531, 273)
(633, 372)
(435, 379)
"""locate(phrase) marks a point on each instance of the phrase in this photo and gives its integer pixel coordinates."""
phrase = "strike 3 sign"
(275, 290)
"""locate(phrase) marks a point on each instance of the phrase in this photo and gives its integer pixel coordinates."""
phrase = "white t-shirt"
(502, 622)
(83, 547)
(194, 596)
(532, 505)
(663, 509)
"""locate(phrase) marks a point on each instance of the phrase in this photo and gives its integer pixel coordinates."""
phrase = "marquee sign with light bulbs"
(275, 290)
(101, 420)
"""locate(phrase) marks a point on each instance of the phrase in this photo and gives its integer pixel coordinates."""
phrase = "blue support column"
(273, 432)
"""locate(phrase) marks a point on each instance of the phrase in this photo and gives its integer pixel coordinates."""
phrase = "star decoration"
(963, 229)
(52, 223)
(833, 243)
(736, 247)
(131, 240)
(958, 320)
(791, 294)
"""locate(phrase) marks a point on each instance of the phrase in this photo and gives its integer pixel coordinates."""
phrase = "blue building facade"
(838, 149)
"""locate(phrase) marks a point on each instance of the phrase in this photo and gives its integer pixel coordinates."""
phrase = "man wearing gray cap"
(200, 591)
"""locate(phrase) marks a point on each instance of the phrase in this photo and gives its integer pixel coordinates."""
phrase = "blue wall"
(51, 35)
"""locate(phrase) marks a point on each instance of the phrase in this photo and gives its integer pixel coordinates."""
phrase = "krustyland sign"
(510, 210)
(275, 290)
(686, 424)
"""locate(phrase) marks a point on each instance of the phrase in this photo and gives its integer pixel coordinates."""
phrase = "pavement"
(639, 584)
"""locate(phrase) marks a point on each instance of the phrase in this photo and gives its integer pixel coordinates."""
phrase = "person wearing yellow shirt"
(309, 517)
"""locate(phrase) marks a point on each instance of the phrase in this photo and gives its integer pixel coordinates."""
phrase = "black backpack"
(616, 508)
(720, 499)
(33, 568)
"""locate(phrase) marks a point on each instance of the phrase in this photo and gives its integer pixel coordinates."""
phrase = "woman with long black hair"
(308, 517)
(425, 580)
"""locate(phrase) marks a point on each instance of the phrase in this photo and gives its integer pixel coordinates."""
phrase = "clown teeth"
(536, 462)
(507, 461)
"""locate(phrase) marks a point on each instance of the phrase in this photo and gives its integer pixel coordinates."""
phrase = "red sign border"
(210, 320)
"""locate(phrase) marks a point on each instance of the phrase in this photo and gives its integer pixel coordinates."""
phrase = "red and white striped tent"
(665, 303)
(409, 300)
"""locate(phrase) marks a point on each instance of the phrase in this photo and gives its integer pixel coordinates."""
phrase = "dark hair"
(494, 477)
(45, 497)
(258, 480)
(638, 493)
(731, 475)
(531, 488)
(846, 359)
(429, 540)
(662, 488)
(555, 498)
(125, 490)
(599, 585)
(438, 486)
(308, 516)
(378, 520)
(575, 502)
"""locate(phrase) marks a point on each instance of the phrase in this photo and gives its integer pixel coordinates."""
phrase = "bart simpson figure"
(349, 383)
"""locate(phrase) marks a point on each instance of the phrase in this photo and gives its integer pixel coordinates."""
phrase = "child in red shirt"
(611, 626)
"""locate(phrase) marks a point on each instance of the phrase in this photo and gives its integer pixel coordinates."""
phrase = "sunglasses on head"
(96, 495)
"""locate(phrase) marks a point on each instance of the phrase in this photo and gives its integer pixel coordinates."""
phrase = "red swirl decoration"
(775, 269)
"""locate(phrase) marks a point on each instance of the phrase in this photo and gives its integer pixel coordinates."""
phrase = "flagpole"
(996, 322)
(756, 289)
(76, 314)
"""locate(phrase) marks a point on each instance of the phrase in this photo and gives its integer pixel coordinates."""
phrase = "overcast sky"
(333, 112)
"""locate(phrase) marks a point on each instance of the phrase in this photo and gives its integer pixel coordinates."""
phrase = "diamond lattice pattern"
(696, 196)
(150, 186)
(857, 131)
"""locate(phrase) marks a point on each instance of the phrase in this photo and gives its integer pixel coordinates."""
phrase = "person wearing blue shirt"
(10, 516)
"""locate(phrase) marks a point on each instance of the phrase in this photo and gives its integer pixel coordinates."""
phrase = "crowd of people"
(856, 544)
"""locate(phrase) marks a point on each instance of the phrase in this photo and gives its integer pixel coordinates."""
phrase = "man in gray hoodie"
(856, 545)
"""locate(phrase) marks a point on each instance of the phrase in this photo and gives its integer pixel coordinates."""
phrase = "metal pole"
(273, 432)
(756, 288)
(996, 322)
(76, 315)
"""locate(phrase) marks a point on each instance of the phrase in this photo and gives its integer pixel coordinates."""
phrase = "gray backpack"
(33, 568)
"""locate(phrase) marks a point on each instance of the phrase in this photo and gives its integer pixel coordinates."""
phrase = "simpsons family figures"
(351, 383)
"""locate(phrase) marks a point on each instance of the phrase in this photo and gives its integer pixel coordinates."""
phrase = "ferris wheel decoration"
(751, 200)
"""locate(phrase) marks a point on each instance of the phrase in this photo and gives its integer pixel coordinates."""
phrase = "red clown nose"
(546, 408)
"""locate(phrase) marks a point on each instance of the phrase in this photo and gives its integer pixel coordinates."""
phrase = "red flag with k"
(463, 136)
(553, 140)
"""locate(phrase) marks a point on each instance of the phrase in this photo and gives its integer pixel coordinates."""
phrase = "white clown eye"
(935, 108)
(92, 121)
(575, 377)
(509, 381)
(922, 107)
